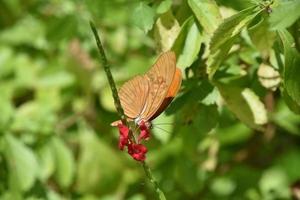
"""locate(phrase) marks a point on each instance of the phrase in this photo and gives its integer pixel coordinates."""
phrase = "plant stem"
(109, 75)
(158, 191)
(119, 108)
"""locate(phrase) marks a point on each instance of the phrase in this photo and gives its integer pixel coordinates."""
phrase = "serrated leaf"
(187, 44)
(166, 31)
(285, 14)
(207, 14)
(143, 16)
(244, 103)
(22, 164)
(223, 37)
(262, 38)
(231, 26)
(64, 162)
(291, 81)
(216, 59)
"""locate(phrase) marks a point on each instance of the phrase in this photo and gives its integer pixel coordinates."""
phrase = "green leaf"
(164, 6)
(286, 119)
(285, 14)
(166, 31)
(207, 14)
(161, 127)
(231, 27)
(7, 112)
(46, 160)
(59, 79)
(216, 59)
(289, 162)
(244, 103)
(34, 117)
(207, 118)
(22, 164)
(56, 34)
(187, 175)
(262, 38)
(292, 105)
(234, 134)
(64, 162)
(11, 195)
(291, 81)
(223, 186)
(33, 26)
(143, 16)
(223, 37)
(198, 118)
(6, 61)
(53, 195)
(188, 43)
(99, 166)
(274, 184)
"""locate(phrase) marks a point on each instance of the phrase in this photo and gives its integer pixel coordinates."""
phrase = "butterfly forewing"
(160, 77)
(133, 95)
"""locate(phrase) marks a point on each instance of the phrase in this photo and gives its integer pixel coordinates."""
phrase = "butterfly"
(145, 97)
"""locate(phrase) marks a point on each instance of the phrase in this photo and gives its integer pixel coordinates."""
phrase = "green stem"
(158, 191)
(119, 108)
(108, 74)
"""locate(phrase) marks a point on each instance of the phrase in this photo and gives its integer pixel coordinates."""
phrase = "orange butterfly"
(144, 97)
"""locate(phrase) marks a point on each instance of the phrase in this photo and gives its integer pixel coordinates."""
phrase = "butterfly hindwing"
(160, 77)
(172, 91)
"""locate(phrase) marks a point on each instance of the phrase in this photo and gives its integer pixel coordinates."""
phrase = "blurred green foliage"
(232, 133)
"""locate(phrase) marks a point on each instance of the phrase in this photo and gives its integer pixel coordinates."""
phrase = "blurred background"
(56, 108)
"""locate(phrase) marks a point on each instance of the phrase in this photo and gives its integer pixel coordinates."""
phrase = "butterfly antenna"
(164, 124)
(162, 129)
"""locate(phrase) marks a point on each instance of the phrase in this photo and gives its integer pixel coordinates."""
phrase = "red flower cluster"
(136, 150)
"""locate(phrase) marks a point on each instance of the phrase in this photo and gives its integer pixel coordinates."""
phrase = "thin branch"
(119, 108)
(158, 191)
(111, 81)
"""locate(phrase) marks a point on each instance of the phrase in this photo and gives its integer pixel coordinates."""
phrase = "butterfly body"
(144, 97)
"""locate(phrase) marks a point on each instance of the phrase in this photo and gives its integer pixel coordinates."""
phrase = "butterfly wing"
(173, 89)
(160, 77)
(133, 95)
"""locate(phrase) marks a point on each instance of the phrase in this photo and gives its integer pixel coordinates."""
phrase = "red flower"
(124, 136)
(145, 133)
(137, 151)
